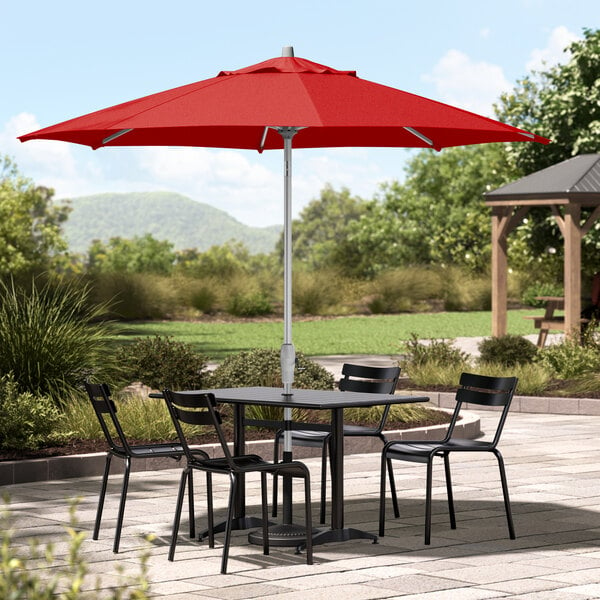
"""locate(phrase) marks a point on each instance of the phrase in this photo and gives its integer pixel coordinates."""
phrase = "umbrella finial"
(288, 51)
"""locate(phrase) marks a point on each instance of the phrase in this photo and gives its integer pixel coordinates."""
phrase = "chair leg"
(511, 528)
(228, 524)
(176, 520)
(122, 505)
(326, 443)
(265, 512)
(428, 501)
(449, 491)
(384, 462)
(102, 496)
(210, 509)
(191, 504)
(275, 477)
(393, 488)
(308, 524)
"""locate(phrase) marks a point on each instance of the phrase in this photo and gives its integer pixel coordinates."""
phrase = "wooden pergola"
(565, 188)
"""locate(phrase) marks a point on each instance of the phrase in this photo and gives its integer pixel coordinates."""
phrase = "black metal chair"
(355, 378)
(201, 409)
(474, 389)
(118, 445)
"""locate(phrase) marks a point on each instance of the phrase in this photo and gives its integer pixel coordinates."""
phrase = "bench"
(549, 321)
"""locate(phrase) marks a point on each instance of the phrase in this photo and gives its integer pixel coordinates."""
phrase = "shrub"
(249, 304)
(28, 572)
(51, 338)
(27, 422)
(262, 368)
(437, 352)
(508, 350)
(568, 359)
(162, 363)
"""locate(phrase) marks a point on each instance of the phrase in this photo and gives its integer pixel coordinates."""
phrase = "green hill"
(166, 216)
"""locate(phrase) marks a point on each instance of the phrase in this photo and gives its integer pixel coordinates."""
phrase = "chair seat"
(424, 449)
(252, 462)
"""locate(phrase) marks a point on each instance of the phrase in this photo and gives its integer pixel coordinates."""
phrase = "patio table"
(288, 534)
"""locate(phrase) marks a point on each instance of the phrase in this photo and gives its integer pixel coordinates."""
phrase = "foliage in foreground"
(51, 337)
(34, 574)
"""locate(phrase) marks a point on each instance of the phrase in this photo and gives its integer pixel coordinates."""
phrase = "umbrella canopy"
(235, 109)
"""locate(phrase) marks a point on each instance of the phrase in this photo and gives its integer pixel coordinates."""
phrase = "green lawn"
(378, 334)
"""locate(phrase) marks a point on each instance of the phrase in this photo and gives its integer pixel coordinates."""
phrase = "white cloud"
(54, 159)
(468, 84)
(554, 52)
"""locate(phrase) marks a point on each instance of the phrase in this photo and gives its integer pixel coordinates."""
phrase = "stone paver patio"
(553, 469)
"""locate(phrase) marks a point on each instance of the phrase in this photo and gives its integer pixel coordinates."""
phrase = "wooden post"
(499, 270)
(572, 270)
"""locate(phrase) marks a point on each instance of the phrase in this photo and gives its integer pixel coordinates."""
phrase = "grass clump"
(403, 290)
(52, 337)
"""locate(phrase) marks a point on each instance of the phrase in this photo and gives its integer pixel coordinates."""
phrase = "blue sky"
(66, 58)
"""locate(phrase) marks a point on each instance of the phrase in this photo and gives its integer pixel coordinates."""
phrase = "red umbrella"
(263, 107)
(236, 109)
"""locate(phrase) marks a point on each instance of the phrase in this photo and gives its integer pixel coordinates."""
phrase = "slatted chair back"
(376, 380)
(106, 412)
(370, 380)
(482, 390)
(197, 409)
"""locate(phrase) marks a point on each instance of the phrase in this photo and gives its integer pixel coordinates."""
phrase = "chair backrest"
(196, 409)
(375, 380)
(106, 412)
(484, 391)
(371, 380)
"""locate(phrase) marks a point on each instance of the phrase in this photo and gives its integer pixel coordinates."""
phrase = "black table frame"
(334, 401)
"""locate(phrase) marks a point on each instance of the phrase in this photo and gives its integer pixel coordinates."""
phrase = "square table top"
(312, 399)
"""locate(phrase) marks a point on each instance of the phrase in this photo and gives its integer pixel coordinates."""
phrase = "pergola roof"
(574, 179)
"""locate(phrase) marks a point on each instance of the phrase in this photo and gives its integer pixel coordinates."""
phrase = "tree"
(561, 103)
(138, 255)
(322, 227)
(437, 216)
(30, 225)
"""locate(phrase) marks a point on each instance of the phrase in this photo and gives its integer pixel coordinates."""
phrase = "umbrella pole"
(288, 353)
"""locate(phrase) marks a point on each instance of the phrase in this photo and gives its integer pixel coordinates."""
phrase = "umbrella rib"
(418, 134)
(114, 136)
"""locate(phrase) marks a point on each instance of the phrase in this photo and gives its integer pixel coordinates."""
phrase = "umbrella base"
(282, 535)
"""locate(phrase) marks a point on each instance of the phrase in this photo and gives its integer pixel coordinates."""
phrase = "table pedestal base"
(282, 535)
(295, 535)
(238, 524)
